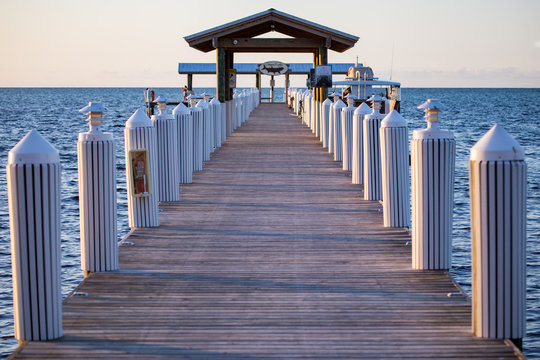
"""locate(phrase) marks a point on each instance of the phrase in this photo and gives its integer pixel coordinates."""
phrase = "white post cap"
(139, 119)
(215, 101)
(33, 149)
(432, 104)
(394, 119)
(202, 104)
(93, 107)
(327, 102)
(339, 104)
(363, 109)
(180, 109)
(375, 98)
(495, 145)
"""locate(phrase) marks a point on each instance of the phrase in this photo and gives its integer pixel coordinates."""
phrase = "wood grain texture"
(271, 253)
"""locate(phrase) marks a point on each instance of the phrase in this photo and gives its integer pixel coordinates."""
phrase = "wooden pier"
(271, 253)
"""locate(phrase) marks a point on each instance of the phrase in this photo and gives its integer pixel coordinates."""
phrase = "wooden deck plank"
(271, 253)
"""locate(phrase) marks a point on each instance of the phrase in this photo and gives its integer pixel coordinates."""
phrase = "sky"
(133, 43)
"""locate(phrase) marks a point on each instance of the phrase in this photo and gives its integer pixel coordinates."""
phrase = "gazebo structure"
(240, 36)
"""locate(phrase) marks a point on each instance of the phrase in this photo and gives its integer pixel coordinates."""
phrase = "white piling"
(212, 121)
(498, 190)
(313, 114)
(347, 133)
(33, 184)
(168, 155)
(331, 124)
(433, 154)
(141, 171)
(205, 116)
(307, 108)
(229, 108)
(217, 122)
(198, 135)
(224, 115)
(185, 142)
(372, 151)
(395, 170)
(325, 118)
(97, 195)
(338, 133)
(358, 143)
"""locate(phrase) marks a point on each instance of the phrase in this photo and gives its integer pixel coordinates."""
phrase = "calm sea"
(471, 112)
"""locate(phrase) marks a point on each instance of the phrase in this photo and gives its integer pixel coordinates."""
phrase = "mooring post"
(395, 170)
(223, 108)
(97, 195)
(217, 122)
(212, 118)
(33, 184)
(498, 190)
(313, 112)
(372, 151)
(141, 171)
(325, 118)
(205, 115)
(331, 122)
(347, 114)
(358, 143)
(235, 106)
(185, 142)
(433, 157)
(168, 155)
(197, 116)
(338, 133)
(307, 108)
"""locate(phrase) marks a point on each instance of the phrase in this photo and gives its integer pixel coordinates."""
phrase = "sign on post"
(273, 68)
(138, 160)
(232, 78)
(322, 76)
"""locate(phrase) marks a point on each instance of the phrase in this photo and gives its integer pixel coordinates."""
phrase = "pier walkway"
(271, 253)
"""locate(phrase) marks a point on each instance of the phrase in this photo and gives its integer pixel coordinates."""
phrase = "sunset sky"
(421, 43)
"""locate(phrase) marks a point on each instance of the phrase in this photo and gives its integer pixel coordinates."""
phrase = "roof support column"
(221, 72)
(323, 60)
(190, 82)
(316, 91)
(229, 62)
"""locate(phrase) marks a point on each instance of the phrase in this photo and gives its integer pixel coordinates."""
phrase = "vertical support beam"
(286, 87)
(190, 82)
(323, 60)
(221, 73)
(272, 83)
(258, 83)
(316, 91)
(229, 55)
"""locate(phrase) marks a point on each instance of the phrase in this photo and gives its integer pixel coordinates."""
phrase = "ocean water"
(471, 113)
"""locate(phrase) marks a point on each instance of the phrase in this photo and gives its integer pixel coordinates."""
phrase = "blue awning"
(251, 68)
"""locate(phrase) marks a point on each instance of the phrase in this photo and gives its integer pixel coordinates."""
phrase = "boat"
(360, 84)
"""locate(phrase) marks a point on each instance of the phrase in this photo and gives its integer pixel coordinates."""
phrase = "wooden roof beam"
(269, 44)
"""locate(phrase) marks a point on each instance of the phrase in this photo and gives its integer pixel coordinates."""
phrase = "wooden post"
(190, 82)
(272, 82)
(323, 60)
(286, 88)
(221, 73)
(230, 64)
(258, 83)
